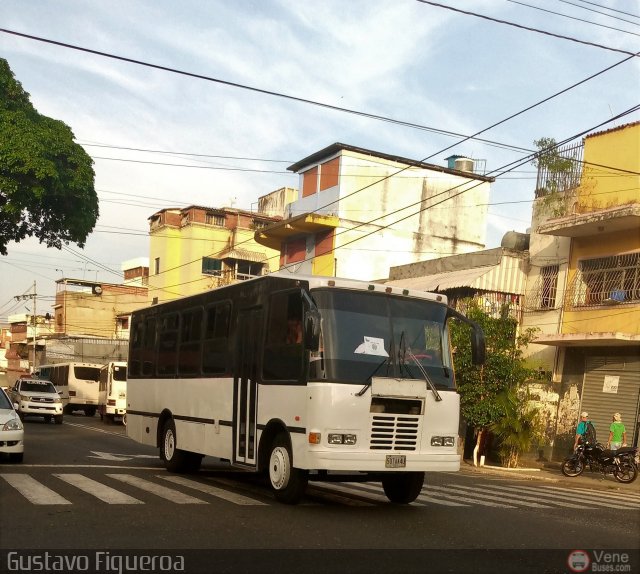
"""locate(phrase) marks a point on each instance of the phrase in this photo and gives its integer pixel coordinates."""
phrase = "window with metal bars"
(606, 281)
(549, 276)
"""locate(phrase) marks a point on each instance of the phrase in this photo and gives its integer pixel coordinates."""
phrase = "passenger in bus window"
(294, 330)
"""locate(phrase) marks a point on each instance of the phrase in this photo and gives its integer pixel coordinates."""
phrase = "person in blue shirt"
(582, 428)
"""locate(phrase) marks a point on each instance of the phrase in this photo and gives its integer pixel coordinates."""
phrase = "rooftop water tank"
(516, 241)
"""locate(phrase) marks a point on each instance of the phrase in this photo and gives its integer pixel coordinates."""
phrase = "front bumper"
(12, 441)
(40, 409)
(375, 461)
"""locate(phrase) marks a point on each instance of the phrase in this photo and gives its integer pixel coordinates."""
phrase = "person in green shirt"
(617, 433)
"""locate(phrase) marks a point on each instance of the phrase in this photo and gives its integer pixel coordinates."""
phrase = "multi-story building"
(588, 285)
(359, 212)
(197, 248)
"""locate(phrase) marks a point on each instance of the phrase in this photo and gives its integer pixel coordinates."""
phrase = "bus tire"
(175, 460)
(58, 419)
(403, 488)
(288, 483)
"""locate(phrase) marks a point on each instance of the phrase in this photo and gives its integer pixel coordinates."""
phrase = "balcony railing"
(605, 281)
(554, 178)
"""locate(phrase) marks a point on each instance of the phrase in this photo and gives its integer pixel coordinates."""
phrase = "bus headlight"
(335, 438)
(443, 441)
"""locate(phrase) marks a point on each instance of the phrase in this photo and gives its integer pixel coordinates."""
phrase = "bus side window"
(148, 352)
(215, 351)
(168, 344)
(137, 340)
(190, 342)
(283, 349)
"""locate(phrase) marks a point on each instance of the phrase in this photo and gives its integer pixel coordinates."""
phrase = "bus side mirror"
(478, 350)
(312, 330)
(478, 344)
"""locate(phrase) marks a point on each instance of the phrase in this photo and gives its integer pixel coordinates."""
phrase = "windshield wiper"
(369, 382)
(435, 392)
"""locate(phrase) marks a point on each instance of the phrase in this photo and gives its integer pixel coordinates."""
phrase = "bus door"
(245, 386)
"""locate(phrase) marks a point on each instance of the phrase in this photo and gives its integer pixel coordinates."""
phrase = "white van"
(112, 391)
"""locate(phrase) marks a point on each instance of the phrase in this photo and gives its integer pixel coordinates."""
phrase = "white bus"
(366, 389)
(112, 391)
(77, 384)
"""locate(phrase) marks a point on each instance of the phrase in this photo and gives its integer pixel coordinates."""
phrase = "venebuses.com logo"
(599, 561)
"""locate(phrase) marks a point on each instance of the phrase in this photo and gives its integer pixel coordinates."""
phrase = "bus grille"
(391, 432)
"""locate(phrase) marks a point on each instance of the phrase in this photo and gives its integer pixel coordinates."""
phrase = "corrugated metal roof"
(244, 255)
(507, 277)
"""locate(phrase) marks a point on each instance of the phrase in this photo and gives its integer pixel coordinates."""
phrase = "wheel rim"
(279, 468)
(169, 444)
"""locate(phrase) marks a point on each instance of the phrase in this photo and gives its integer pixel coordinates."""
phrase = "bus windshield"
(371, 334)
(119, 373)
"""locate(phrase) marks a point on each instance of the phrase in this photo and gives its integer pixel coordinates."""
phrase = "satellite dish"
(97, 290)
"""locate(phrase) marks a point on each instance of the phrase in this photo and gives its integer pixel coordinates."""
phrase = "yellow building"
(196, 248)
(598, 339)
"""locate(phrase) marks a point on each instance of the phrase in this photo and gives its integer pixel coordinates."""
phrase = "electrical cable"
(602, 13)
(520, 26)
(242, 86)
(572, 17)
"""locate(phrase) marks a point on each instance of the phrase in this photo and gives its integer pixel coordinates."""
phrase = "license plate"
(395, 461)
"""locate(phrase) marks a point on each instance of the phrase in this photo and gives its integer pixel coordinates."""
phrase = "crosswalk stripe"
(623, 496)
(97, 489)
(33, 490)
(518, 490)
(521, 501)
(564, 494)
(422, 498)
(157, 489)
(467, 498)
(214, 491)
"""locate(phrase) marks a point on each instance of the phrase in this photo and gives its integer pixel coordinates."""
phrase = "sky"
(404, 60)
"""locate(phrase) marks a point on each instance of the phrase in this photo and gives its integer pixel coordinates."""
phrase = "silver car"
(11, 430)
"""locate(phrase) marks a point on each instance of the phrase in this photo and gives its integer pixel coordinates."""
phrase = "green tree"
(46, 179)
(558, 169)
(483, 388)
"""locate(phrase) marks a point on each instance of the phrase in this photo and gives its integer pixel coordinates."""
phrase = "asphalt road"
(85, 487)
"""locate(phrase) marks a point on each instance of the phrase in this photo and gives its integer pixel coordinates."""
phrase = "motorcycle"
(622, 463)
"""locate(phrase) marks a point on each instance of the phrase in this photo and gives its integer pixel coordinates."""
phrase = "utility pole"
(32, 296)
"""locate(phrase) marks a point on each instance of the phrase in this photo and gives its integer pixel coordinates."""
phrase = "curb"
(551, 473)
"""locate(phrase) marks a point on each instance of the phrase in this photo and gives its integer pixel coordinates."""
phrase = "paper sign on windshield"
(372, 346)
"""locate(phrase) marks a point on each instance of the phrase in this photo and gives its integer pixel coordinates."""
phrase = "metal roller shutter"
(612, 384)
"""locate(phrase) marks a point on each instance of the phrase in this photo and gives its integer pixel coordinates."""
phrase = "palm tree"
(518, 426)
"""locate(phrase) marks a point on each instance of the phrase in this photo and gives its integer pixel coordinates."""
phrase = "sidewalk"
(551, 473)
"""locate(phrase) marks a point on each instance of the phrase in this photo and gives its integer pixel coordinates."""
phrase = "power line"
(246, 87)
(607, 8)
(504, 169)
(194, 166)
(572, 17)
(560, 36)
(186, 153)
(602, 13)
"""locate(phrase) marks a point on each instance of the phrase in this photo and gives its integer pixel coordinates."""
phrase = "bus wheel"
(58, 419)
(288, 483)
(175, 460)
(403, 488)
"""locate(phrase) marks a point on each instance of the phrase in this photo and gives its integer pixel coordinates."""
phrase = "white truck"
(112, 392)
